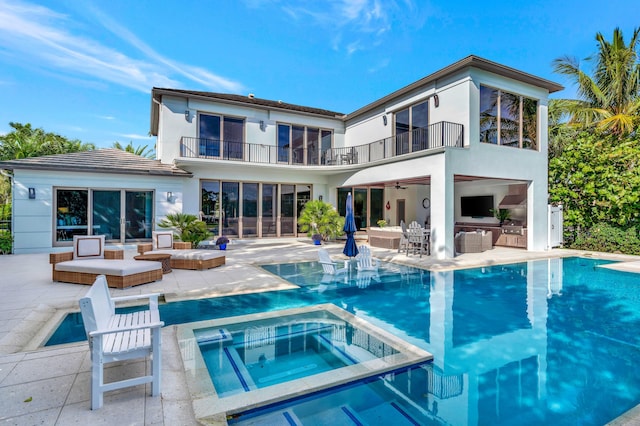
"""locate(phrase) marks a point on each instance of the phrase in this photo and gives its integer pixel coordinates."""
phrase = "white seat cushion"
(189, 254)
(117, 267)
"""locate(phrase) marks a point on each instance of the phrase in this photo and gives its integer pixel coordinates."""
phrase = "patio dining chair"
(418, 241)
(404, 238)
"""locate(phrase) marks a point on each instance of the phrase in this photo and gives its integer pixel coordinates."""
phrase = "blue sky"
(85, 69)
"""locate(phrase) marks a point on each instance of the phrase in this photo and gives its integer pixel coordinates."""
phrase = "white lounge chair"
(365, 261)
(117, 337)
(90, 259)
(182, 256)
(329, 266)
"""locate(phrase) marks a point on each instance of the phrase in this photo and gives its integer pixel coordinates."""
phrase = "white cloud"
(36, 34)
(106, 117)
(134, 136)
(354, 25)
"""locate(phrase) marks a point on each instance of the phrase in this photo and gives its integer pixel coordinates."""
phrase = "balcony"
(436, 136)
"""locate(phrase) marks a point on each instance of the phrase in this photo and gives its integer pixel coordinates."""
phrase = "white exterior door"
(555, 226)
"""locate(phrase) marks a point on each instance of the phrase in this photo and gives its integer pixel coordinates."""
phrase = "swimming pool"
(553, 341)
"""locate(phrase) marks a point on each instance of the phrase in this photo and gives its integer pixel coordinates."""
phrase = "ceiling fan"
(400, 187)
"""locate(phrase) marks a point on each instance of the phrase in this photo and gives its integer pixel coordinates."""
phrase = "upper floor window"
(303, 145)
(221, 136)
(411, 128)
(508, 119)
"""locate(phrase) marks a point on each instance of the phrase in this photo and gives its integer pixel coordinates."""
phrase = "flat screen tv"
(477, 206)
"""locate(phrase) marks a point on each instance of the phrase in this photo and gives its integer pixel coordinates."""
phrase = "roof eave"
(160, 92)
(10, 166)
(469, 61)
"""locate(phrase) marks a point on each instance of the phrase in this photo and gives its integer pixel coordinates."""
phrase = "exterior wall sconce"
(187, 114)
(320, 198)
(263, 125)
(32, 193)
(384, 120)
(170, 197)
(436, 100)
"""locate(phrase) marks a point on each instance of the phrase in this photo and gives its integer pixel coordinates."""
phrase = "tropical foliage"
(609, 99)
(597, 180)
(319, 217)
(142, 151)
(594, 148)
(24, 142)
(187, 226)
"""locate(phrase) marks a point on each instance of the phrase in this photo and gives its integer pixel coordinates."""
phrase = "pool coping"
(208, 407)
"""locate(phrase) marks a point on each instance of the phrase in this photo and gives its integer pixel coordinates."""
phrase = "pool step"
(214, 335)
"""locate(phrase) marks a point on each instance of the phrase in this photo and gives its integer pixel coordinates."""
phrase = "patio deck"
(52, 385)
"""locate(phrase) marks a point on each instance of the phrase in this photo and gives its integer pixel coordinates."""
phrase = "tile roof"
(108, 160)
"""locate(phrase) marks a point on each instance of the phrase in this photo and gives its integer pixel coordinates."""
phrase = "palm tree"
(24, 142)
(142, 151)
(610, 98)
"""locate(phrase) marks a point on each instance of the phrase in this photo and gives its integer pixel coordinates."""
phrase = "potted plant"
(222, 242)
(501, 215)
(382, 223)
(317, 239)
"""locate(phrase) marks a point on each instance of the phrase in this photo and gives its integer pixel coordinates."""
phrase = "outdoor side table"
(163, 258)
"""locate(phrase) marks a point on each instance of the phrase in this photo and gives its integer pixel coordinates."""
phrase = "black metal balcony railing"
(437, 135)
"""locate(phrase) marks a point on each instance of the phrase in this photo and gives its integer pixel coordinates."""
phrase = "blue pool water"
(543, 342)
(255, 354)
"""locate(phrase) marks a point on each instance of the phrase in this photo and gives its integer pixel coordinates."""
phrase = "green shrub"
(6, 242)
(319, 217)
(195, 233)
(188, 227)
(607, 238)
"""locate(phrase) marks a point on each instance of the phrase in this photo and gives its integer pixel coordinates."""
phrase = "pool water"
(387, 399)
(542, 342)
(256, 354)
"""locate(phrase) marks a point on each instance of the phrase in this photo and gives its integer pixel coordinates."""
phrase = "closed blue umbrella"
(350, 248)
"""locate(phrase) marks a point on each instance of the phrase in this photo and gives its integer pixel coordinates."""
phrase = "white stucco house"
(444, 150)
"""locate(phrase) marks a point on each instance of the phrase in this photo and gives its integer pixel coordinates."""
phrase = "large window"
(120, 215)
(214, 129)
(508, 119)
(411, 127)
(299, 144)
(250, 209)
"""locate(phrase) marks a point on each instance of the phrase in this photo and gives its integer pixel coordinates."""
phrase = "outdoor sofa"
(473, 242)
(182, 256)
(89, 259)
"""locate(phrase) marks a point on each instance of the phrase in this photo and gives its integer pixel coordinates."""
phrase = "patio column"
(442, 215)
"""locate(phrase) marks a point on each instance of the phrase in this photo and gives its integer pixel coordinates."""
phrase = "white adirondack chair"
(365, 261)
(116, 337)
(328, 265)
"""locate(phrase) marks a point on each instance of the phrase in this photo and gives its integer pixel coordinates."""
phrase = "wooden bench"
(116, 337)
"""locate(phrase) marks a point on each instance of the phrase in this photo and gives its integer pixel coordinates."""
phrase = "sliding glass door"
(107, 213)
(120, 215)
